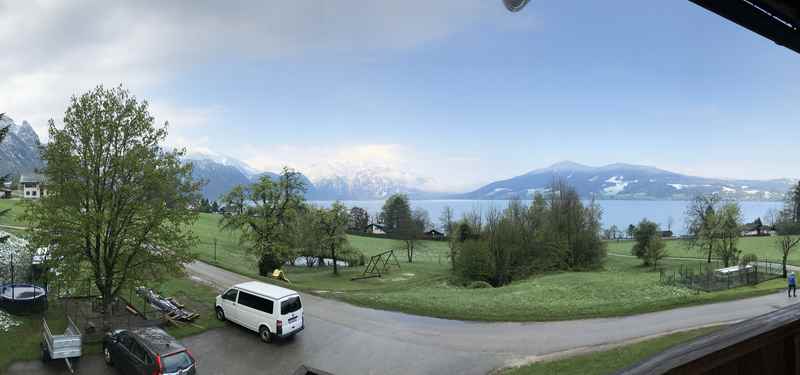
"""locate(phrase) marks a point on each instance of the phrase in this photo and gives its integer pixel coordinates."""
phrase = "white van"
(268, 309)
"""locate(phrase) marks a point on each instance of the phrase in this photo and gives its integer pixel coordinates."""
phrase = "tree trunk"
(333, 259)
(710, 250)
(785, 256)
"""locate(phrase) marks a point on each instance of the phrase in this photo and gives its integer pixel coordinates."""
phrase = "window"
(256, 302)
(27, 192)
(138, 352)
(125, 341)
(176, 362)
(33, 193)
(230, 295)
(290, 305)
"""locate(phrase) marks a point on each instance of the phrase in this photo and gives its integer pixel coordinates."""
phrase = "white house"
(32, 186)
(375, 229)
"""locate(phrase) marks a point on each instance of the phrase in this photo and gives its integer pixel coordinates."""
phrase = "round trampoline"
(20, 299)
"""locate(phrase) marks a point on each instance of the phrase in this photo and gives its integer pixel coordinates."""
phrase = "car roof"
(157, 340)
(269, 290)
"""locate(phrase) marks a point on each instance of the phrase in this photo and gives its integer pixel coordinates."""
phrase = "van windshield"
(290, 305)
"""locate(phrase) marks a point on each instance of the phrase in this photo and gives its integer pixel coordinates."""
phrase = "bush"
(474, 261)
(479, 285)
(268, 263)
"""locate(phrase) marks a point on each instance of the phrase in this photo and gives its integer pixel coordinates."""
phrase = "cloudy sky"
(458, 91)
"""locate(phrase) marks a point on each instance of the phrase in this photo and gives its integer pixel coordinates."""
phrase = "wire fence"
(715, 276)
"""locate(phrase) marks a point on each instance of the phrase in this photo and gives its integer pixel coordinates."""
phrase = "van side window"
(256, 302)
(230, 295)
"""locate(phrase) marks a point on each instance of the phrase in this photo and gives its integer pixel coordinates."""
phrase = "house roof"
(375, 225)
(434, 231)
(28, 178)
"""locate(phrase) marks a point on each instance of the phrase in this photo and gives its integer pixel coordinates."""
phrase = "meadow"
(424, 287)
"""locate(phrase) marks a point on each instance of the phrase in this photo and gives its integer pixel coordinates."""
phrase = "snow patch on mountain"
(617, 185)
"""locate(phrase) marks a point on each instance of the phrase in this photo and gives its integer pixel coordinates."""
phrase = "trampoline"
(21, 299)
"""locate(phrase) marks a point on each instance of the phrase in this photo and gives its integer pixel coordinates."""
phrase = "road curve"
(372, 338)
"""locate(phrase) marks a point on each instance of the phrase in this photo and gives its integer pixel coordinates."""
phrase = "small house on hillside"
(667, 234)
(434, 234)
(32, 186)
(375, 229)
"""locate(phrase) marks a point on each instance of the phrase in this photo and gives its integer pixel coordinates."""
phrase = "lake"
(615, 212)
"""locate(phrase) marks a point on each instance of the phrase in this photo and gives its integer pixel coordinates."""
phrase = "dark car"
(149, 351)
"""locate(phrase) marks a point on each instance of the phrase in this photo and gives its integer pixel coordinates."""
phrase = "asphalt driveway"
(346, 339)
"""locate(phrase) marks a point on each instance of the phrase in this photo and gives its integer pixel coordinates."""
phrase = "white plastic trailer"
(64, 346)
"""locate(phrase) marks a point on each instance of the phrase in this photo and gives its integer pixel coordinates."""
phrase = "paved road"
(346, 339)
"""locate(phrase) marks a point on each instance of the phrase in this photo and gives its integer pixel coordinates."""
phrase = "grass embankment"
(622, 287)
(760, 246)
(609, 361)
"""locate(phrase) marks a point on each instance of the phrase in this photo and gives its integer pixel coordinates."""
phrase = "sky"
(456, 92)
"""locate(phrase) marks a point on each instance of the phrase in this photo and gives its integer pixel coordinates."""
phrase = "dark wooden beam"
(746, 345)
(776, 20)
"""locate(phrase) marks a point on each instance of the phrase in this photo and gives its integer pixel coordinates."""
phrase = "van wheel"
(265, 335)
(220, 314)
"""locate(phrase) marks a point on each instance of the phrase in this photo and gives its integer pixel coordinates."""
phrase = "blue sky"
(458, 92)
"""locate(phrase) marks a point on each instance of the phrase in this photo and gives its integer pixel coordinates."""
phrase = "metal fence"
(708, 277)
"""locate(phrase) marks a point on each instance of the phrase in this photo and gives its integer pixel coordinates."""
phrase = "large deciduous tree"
(333, 225)
(118, 204)
(701, 223)
(649, 246)
(359, 219)
(447, 221)
(728, 231)
(262, 211)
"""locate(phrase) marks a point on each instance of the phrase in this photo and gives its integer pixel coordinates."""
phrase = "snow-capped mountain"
(19, 151)
(628, 181)
(208, 156)
(349, 181)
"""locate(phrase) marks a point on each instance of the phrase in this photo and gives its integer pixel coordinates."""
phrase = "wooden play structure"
(378, 265)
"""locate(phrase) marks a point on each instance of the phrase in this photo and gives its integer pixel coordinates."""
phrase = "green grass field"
(609, 361)
(623, 287)
(761, 246)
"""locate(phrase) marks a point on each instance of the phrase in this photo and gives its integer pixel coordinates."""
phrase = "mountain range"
(628, 181)
(19, 153)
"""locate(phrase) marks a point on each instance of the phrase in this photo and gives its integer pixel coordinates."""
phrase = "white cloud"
(52, 50)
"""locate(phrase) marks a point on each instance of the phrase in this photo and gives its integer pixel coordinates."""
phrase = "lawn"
(623, 287)
(761, 246)
(609, 361)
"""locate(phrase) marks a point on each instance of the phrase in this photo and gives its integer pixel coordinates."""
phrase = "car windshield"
(176, 362)
(290, 305)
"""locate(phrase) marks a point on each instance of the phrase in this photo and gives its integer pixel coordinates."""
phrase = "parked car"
(149, 351)
(270, 310)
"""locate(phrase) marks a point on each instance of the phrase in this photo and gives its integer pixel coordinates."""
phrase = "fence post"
(215, 249)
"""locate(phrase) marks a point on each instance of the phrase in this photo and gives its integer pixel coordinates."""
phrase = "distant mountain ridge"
(19, 151)
(628, 181)
(19, 154)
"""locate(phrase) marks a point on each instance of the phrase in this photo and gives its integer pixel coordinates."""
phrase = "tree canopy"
(117, 203)
(262, 212)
